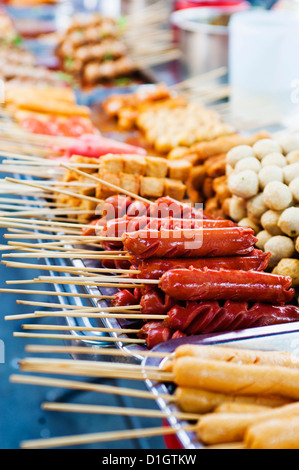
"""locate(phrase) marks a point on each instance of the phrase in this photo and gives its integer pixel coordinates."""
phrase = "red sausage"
(118, 227)
(244, 286)
(155, 268)
(206, 242)
(210, 316)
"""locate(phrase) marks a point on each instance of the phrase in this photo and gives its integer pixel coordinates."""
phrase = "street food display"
(186, 232)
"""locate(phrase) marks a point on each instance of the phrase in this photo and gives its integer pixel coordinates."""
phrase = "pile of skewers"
(97, 49)
(225, 398)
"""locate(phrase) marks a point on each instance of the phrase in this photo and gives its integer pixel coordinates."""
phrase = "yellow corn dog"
(244, 356)
(194, 400)
(234, 407)
(237, 379)
(279, 433)
(218, 428)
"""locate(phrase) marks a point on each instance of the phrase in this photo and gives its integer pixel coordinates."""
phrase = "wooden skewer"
(191, 82)
(102, 437)
(51, 163)
(95, 350)
(83, 314)
(76, 307)
(80, 328)
(20, 156)
(116, 410)
(11, 224)
(57, 294)
(41, 212)
(78, 385)
(110, 185)
(30, 202)
(78, 282)
(94, 368)
(55, 190)
(115, 280)
(86, 338)
(40, 222)
(79, 254)
(41, 236)
(50, 245)
(13, 264)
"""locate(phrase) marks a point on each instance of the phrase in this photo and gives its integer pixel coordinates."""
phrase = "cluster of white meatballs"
(264, 183)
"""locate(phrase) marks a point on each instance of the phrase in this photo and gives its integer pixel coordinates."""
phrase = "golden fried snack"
(288, 267)
(233, 378)
(233, 407)
(14, 93)
(54, 107)
(194, 400)
(244, 356)
(215, 428)
(201, 151)
(278, 433)
(220, 188)
(215, 166)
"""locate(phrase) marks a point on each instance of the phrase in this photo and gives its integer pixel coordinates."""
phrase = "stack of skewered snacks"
(95, 49)
(249, 397)
(208, 179)
(264, 182)
(149, 177)
(166, 119)
(202, 275)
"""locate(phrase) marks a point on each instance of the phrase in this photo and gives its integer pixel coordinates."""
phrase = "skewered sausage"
(244, 286)
(155, 268)
(228, 241)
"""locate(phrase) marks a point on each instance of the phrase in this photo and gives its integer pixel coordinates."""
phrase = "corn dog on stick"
(217, 428)
(244, 356)
(233, 378)
(195, 400)
(278, 433)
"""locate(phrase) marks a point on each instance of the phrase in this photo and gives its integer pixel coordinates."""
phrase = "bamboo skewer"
(55, 190)
(80, 328)
(84, 314)
(79, 254)
(205, 77)
(86, 338)
(78, 385)
(102, 437)
(30, 202)
(116, 410)
(40, 222)
(76, 307)
(93, 369)
(57, 294)
(69, 269)
(94, 350)
(35, 226)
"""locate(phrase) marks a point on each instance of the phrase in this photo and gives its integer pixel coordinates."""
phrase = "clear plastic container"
(263, 64)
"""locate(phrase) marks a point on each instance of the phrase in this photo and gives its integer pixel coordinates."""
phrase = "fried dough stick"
(194, 400)
(216, 428)
(236, 379)
(276, 433)
(244, 356)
